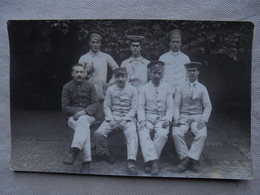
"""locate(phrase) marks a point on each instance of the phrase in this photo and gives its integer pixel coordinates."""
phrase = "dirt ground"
(41, 140)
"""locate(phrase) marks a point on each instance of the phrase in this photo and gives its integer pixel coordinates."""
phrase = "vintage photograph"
(142, 98)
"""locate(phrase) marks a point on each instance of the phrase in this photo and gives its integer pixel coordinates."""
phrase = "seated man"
(120, 107)
(155, 110)
(79, 103)
(192, 111)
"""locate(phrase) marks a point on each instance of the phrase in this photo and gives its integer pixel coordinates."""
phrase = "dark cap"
(155, 65)
(175, 33)
(97, 34)
(119, 70)
(135, 38)
(193, 65)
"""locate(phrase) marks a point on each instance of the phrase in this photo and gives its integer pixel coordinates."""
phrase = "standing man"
(192, 111)
(174, 71)
(155, 111)
(136, 65)
(79, 103)
(120, 107)
(96, 62)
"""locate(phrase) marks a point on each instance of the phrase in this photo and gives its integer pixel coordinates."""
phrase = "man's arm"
(177, 104)
(141, 105)
(108, 105)
(65, 102)
(93, 106)
(206, 104)
(134, 102)
(169, 109)
(112, 65)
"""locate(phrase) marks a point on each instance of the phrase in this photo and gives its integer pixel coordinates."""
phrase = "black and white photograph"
(138, 98)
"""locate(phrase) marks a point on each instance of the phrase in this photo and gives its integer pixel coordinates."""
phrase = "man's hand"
(113, 124)
(106, 86)
(176, 122)
(201, 124)
(165, 124)
(79, 114)
(142, 124)
(123, 124)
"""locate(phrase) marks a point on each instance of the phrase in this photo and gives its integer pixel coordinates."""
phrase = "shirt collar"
(192, 84)
(95, 54)
(175, 53)
(140, 58)
(155, 87)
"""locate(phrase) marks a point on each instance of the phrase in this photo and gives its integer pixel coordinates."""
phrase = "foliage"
(200, 38)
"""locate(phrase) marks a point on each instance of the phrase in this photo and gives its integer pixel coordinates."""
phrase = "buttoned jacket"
(192, 99)
(155, 102)
(120, 103)
(79, 96)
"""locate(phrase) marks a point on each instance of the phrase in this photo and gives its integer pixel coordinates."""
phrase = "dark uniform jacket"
(76, 97)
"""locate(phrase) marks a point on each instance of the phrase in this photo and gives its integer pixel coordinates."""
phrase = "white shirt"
(99, 60)
(174, 70)
(136, 70)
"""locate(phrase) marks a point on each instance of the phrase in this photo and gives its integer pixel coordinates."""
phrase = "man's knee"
(162, 133)
(176, 132)
(202, 135)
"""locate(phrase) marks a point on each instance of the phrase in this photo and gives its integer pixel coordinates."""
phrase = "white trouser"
(130, 135)
(151, 149)
(81, 138)
(197, 145)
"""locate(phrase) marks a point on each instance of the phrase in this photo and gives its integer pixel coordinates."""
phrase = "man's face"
(135, 48)
(156, 76)
(193, 74)
(94, 44)
(120, 79)
(78, 73)
(175, 44)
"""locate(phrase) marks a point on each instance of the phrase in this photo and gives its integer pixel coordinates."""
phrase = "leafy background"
(42, 53)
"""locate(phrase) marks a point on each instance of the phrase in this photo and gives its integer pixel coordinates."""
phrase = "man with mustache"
(155, 111)
(192, 108)
(120, 107)
(174, 70)
(136, 65)
(79, 103)
(96, 63)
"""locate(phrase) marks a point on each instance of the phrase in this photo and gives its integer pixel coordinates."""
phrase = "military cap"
(135, 38)
(96, 34)
(175, 33)
(155, 65)
(119, 70)
(193, 65)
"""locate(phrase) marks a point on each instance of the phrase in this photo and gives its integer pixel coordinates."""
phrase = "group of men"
(143, 99)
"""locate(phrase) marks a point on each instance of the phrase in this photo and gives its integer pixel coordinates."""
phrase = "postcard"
(142, 98)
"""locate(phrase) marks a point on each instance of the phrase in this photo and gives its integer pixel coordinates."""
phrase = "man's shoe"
(108, 158)
(155, 167)
(131, 169)
(184, 164)
(85, 168)
(148, 167)
(69, 160)
(195, 166)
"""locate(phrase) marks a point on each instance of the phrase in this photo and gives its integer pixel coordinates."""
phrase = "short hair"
(136, 38)
(79, 65)
(96, 34)
(174, 33)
